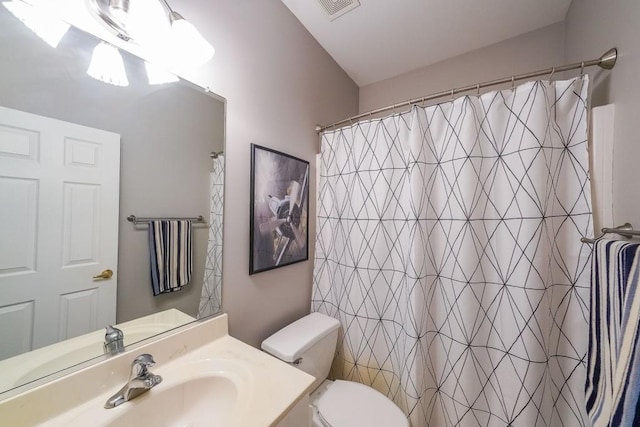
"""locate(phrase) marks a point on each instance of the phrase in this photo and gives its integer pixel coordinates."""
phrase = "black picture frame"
(279, 210)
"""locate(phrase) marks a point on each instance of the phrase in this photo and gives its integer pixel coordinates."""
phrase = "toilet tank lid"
(290, 342)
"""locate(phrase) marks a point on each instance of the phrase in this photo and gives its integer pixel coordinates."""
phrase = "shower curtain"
(448, 246)
(211, 297)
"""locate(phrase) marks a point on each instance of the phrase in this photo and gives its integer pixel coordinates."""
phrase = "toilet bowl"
(347, 403)
(309, 344)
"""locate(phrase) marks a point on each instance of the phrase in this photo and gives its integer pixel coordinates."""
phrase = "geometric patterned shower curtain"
(211, 296)
(448, 246)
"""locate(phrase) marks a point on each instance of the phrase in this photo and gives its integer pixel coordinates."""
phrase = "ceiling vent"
(337, 8)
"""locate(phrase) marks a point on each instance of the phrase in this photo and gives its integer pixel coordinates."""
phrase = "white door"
(59, 196)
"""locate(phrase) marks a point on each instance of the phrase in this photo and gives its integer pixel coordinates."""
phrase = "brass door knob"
(107, 274)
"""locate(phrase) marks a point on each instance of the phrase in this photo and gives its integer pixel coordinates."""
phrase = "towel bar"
(134, 219)
(625, 230)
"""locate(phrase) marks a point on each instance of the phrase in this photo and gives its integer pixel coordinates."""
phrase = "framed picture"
(279, 217)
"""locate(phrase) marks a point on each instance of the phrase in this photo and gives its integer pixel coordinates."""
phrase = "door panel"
(16, 325)
(78, 313)
(18, 225)
(81, 224)
(19, 143)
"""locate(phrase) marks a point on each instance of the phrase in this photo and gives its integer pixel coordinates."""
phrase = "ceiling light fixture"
(107, 65)
(155, 26)
(119, 9)
(49, 29)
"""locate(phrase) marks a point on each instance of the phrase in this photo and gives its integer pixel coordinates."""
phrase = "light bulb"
(187, 43)
(107, 65)
(49, 29)
(147, 23)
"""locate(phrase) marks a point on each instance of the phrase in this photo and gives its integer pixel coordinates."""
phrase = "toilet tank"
(308, 344)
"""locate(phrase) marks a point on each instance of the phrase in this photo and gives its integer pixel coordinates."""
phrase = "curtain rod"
(606, 61)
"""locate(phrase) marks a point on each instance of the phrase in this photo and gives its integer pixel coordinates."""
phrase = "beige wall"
(165, 167)
(279, 83)
(592, 27)
(531, 51)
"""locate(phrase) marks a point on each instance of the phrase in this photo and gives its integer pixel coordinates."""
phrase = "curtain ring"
(513, 82)
(582, 68)
(553, 71)
(478, 89)
(452, 93)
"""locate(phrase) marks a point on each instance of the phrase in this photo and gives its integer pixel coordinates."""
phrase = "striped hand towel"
(613, 361)
(170, 251)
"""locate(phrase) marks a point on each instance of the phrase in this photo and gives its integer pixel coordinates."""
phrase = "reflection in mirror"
(77, 156)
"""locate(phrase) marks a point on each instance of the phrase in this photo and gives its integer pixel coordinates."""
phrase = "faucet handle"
(113, 340)
(140, 365)
(141, 380)
(112, 333)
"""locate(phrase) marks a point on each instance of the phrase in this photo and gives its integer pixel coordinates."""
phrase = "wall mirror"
(49, 215)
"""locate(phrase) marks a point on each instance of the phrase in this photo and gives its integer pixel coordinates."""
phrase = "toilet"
(310, 344)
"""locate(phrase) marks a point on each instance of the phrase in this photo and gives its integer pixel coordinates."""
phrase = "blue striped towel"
(613, 361)
(170, 251)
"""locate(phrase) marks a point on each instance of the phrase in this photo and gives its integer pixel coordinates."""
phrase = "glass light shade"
(49, 29)
(187, 43)
(158, 75)
(107, 65)
(147, 23)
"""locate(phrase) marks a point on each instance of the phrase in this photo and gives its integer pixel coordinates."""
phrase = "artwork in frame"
(279, 213)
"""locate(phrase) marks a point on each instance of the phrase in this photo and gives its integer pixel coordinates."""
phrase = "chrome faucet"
(113, 340)
(140, 381)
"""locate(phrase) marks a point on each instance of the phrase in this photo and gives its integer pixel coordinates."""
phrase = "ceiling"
(384, 38)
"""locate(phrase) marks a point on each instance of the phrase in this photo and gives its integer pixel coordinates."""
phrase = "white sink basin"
(199, 402)
(202, 401)
(200, 394)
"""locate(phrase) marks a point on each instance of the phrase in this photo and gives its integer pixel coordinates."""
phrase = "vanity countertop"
(38, 363)
(204, 370)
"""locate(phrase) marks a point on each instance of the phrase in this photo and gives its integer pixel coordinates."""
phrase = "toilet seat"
(347, 404)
